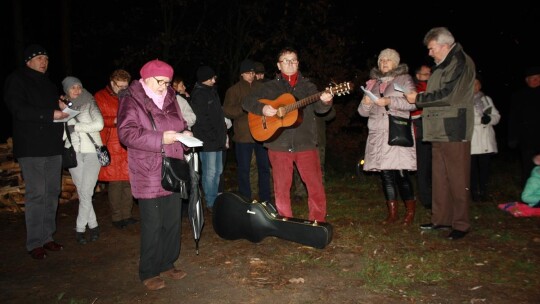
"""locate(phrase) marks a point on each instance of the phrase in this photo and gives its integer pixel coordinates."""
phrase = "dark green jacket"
(448, 100)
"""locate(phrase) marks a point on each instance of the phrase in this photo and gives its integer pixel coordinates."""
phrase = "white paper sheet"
(368, 93)
(189, 141)
(72, 113)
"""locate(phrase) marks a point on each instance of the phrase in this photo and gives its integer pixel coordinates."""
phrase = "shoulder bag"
(103, 154)
(399, 130)
(175, 174)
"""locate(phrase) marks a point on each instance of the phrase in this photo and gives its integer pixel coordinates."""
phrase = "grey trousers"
(43, 180)
(85, 177)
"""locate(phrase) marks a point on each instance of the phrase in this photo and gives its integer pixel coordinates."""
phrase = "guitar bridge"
(264, 123)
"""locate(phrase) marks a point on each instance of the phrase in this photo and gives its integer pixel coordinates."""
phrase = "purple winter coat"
(143, 143)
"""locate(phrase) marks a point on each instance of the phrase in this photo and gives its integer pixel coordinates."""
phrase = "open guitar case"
(235, 217)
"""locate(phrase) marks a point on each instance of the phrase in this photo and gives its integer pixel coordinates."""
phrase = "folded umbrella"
(195, 208)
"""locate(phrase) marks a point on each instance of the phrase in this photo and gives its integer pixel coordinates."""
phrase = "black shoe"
(120, 224)
(81, 238)
(457, 234)
(432, 226)
(94, 234)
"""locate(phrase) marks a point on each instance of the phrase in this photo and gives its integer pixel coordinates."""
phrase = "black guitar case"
(235, 217)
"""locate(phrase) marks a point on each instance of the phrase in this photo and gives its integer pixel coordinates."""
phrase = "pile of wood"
(12, 186)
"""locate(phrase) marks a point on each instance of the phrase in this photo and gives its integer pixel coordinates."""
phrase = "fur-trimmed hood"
(401, 69)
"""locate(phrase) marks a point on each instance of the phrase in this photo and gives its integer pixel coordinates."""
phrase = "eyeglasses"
(119, 86)
(161, 82)
(289, 61)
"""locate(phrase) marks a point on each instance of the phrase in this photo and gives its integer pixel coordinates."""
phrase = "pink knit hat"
(156, 68)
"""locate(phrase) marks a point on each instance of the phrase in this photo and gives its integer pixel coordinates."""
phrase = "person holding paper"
(83, 129)
(483, 143)
(34, 103)
(393, 162)
(448, 119)
(149, 120)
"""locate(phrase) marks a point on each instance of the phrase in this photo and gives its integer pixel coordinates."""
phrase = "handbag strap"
(91, 139)
(388, 111)
(154, 126)
(68, 134)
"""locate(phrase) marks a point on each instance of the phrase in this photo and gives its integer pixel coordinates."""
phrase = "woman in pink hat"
(150, 120)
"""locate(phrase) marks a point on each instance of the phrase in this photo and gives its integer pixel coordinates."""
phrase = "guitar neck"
(302, 102)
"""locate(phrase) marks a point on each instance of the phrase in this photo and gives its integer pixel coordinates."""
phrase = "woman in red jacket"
(116, 174)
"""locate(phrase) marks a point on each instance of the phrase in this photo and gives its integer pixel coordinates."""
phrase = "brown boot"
(392, 212)
(409, 215)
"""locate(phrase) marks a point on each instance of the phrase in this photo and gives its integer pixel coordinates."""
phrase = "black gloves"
(485, 119)
(71, 129)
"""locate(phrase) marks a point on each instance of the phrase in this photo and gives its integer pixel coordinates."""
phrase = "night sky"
(499, 39)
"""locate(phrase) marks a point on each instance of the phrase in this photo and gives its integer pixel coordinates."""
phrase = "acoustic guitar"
(263, 128)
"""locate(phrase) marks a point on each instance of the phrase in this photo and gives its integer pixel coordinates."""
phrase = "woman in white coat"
(87, 123)
(483, 144)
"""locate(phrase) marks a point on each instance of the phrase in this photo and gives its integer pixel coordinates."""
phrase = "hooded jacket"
(379, 155)
(107, 102)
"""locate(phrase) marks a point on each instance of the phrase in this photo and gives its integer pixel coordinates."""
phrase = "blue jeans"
(244, 151)
(212, 167)
(43, 181)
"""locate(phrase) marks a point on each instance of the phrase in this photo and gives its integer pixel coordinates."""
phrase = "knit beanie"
(390, 54)
(32, 51)
(70, 81)
(532, 71)
(204, 73)
(247, 66)
(155, 68)
(259, 67)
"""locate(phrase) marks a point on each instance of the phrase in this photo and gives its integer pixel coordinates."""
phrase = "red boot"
(409, 215)
(392, 212)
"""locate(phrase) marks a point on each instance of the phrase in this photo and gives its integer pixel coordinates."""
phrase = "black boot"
(81, 238)
(94, 234)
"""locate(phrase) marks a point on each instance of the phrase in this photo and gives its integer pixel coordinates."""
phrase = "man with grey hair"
(448, 124)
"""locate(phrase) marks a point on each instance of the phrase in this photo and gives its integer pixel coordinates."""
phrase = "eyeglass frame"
(289, 61)
(120, 87)
(161, 82)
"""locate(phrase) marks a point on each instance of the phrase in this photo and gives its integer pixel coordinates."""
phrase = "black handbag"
(69, 157)
(175, 172)
(399, 131)
(175, 175)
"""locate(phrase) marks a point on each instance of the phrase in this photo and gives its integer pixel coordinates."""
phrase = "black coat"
(32, 97)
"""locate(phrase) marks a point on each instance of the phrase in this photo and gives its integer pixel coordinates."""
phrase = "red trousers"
(308, 165)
